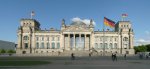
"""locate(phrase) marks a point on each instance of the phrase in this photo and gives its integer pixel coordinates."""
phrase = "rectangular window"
(127, 26)
(105, 38)
(53, 38)
(42, 38)
(110, 38)
(58, 38)
(101, 39)
(115, 39)
(37, 38)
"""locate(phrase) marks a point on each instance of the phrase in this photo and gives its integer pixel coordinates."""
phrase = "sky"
(50, 13)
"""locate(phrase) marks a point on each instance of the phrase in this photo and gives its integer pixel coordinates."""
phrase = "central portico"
(76, 41)
(77, 35)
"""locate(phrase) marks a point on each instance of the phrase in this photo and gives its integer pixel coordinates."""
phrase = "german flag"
(109, 22)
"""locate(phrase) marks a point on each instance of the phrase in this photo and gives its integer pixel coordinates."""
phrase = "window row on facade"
(106, 46)
(125, 26)
(52, 38)
(97, 39)
(53, 45)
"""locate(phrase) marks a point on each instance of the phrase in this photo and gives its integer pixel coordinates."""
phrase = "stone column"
(33, 41)
(45, 42)
(74, 41)
(62, 41)
(85, 47)
(22, 42)
(80, 39)
(131, 41)
(68, 41)
(19, 41)
(29, 41)
(121, 47)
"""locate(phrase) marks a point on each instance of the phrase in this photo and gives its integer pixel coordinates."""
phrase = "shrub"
(10, 51)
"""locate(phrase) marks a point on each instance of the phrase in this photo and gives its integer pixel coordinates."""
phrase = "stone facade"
(74, 37)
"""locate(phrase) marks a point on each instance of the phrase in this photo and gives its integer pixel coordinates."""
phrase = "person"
(115, 57)
(89, 54)
(125, 56)
(140, 56)
(147, 56)
(58, 53)
(112, 57)
(72, 57)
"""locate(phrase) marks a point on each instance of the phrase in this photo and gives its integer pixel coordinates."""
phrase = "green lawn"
(22, 63)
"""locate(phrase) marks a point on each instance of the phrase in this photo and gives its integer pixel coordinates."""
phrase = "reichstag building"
(75, 37)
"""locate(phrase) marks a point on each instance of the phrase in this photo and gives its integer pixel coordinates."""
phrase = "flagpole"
(32, 14)
(103, 39)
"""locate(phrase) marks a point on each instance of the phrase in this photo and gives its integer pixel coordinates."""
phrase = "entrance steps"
(76, 53)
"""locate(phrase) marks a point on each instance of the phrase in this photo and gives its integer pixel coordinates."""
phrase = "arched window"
(96, 45)
(37, 45)
(25, 38)
(110, 45)
(106, 46)
(58, 45)
(48, 45)
(115, 45)
(101, 45)
(42, 45)
(53, 45)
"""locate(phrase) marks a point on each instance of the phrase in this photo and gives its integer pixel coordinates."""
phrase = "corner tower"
(24, 33)
(126, 35)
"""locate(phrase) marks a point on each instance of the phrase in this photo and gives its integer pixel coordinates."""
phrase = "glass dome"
(78, 23)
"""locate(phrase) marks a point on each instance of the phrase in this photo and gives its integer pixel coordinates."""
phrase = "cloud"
(142, 42)
(78, 20)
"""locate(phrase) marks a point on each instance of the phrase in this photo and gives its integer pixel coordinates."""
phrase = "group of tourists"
(114, 56)
(141, 56)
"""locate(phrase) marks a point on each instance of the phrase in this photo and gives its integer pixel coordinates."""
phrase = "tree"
(3, 51)
(136, 49)
(142, 48)
(148, 47)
